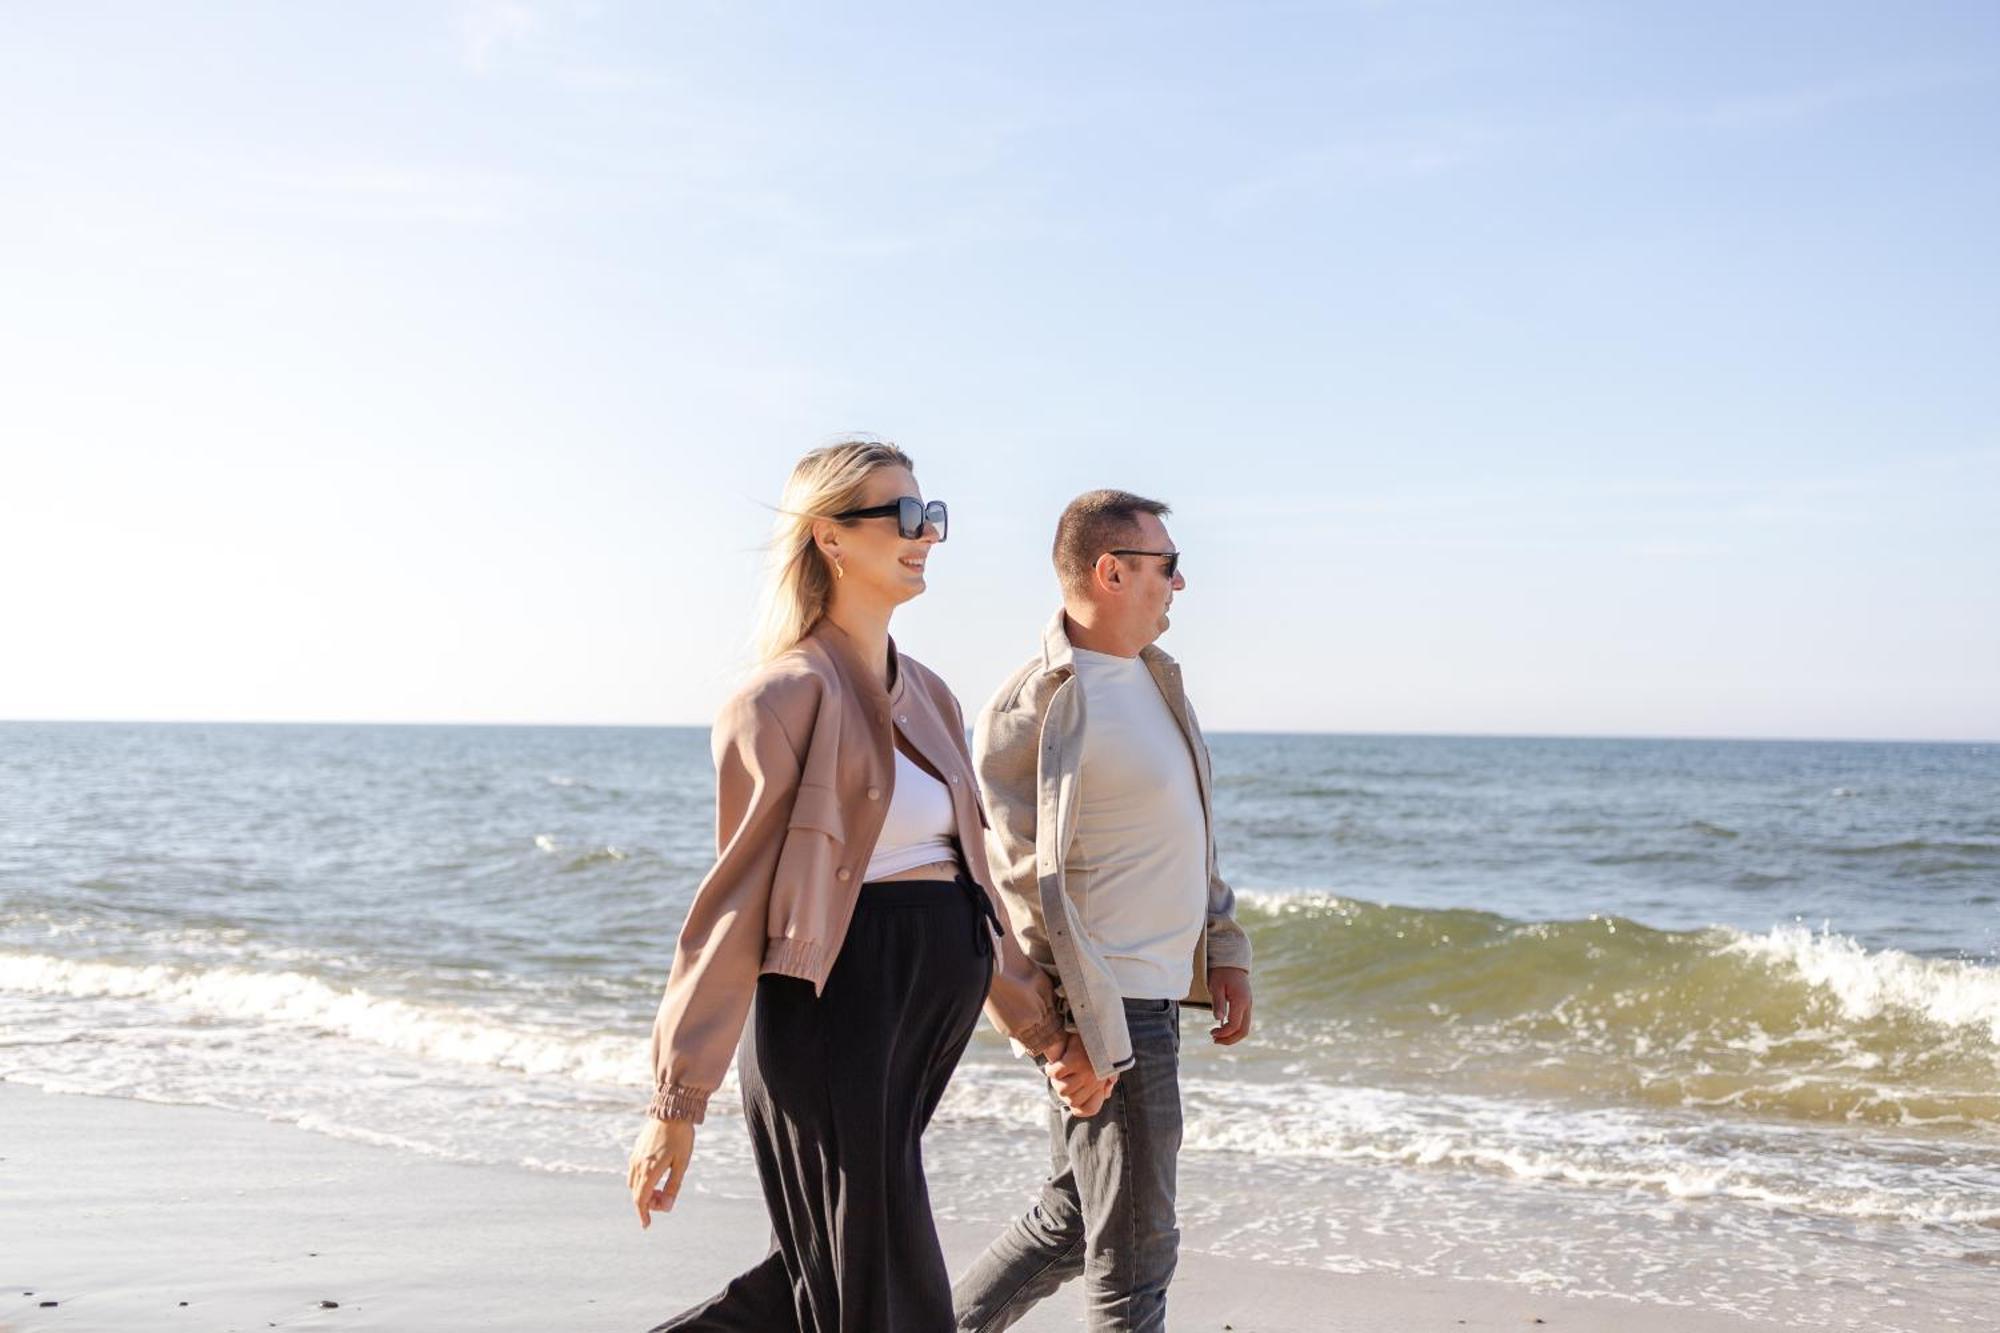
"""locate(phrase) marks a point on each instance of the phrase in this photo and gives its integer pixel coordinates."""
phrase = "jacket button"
(875, 793)
(841, 874)
(954, 777)
(903, 718)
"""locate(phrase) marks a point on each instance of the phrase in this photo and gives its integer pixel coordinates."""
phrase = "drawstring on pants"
(982, 907)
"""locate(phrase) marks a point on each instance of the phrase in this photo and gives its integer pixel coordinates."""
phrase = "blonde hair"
(798, 583)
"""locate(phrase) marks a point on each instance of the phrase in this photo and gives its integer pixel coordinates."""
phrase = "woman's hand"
(1076, 1083)
(662, 1145)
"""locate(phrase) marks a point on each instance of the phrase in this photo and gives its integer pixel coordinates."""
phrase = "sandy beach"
(133, 1215)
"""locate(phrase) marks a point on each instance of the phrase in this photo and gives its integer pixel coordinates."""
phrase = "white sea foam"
(1600, 1149)
(1301, 1118)
(1616, 1150)
(295, 1000)
(1310, 901)
(1868, 984)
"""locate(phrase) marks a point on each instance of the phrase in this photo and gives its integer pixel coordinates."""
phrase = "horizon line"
(1218, 731)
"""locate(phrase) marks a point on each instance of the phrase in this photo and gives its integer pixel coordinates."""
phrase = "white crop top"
(918, 830)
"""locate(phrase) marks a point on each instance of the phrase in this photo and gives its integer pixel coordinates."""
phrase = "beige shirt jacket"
(805, 765)
(1028, 748)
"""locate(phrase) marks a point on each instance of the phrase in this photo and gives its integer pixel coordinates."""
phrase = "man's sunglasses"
(910, 513)
(1173, 559)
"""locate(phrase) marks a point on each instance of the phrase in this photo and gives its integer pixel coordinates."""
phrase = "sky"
(1546, 368)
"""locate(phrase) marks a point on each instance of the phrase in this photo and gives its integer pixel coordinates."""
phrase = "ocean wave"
(1869, 984)
(1604, 1149)
(1327, 947)
(1681, 1151)
(1788, 1021)
(596, 856)
(307, 1003)
(1681, 1157)
(1912, 845)
(566, 782)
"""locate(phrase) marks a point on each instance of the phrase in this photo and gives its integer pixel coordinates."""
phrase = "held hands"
(1229, 989)
(1073, 1078)
(661, 1145)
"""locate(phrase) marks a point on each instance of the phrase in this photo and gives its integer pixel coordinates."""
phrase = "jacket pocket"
(818, 807)
(814, 847)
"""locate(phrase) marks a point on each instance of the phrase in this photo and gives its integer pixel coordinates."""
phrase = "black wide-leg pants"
(837, 1090)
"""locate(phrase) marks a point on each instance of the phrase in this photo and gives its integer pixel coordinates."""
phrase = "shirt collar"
(1059, 654)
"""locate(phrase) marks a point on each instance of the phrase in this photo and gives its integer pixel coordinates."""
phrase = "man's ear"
(1110, 573)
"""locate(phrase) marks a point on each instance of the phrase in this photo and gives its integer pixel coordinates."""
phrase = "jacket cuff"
(677, 1101)
(1046, 1031)
(792, 958)
(1228, 946)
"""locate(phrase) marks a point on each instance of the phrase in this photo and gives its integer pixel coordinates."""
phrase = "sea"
(1709, 1024)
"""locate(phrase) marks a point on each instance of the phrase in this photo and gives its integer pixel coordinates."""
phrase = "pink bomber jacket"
(805, 765)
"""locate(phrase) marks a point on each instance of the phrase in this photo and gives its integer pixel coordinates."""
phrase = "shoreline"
(120, 1210)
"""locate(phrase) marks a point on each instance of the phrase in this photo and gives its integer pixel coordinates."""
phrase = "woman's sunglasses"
(910, 513)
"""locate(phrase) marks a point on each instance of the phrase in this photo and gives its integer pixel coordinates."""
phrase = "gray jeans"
(1107, 1210)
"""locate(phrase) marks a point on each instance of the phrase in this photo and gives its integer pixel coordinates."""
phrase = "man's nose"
(1180, 581)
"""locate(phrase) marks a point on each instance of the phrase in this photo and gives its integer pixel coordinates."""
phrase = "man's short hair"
(1096, 522)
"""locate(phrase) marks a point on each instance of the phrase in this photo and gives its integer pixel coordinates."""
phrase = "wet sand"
(134, 1215)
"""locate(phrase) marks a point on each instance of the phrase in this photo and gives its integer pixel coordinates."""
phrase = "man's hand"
(1229, 988)
(1075, 1081)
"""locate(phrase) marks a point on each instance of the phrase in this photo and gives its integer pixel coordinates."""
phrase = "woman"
(850, 899)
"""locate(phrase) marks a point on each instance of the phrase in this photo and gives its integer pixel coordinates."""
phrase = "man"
(1096, 780)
